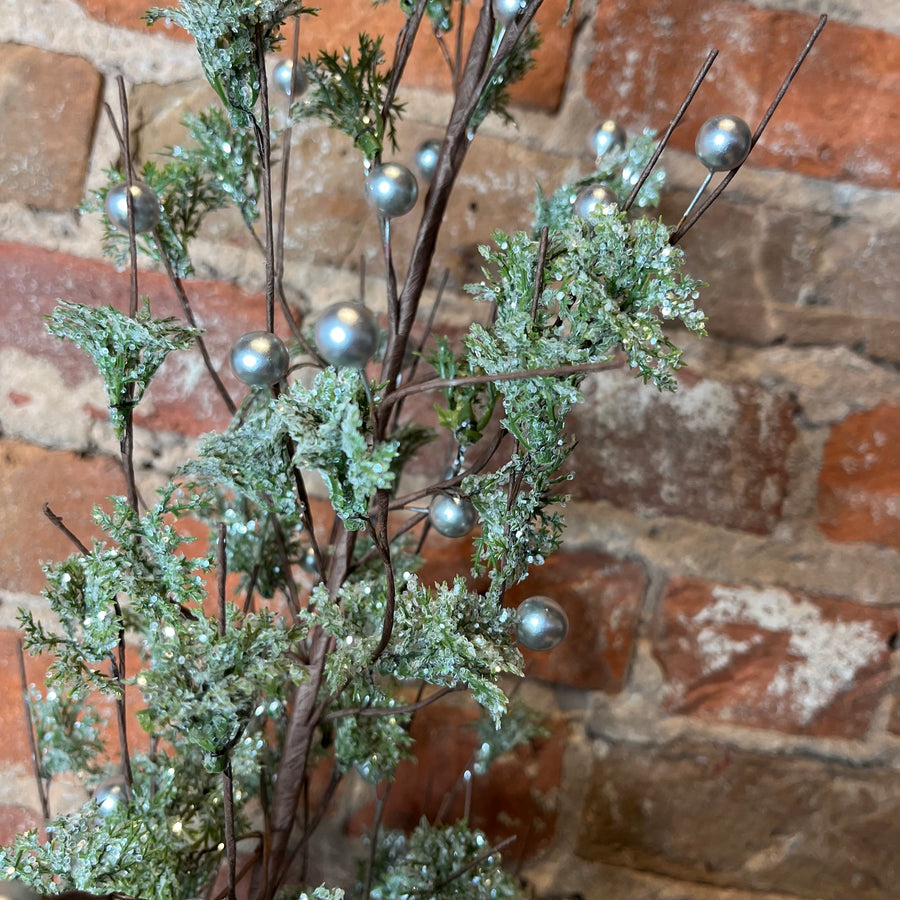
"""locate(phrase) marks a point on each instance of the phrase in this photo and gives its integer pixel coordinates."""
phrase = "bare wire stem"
(230, 844)
(380, 803)
(262, 131)
(32, 741)
(539, 274)
(58, 523)
(378, 711)
(645, 174)
(679, 233)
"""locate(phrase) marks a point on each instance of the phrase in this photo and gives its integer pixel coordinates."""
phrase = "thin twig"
(32, 741)
(679, 233)
(645, 174)
(262, 133)
(230, 844)
(539, 273)
(380, 803)
(471, 865)
(222, 564)
(379, 711)
(58, 522)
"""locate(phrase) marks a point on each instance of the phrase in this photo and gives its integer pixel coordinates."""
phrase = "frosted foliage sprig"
(126, 351)
(226, 34)
(442, 863)
(328, 423)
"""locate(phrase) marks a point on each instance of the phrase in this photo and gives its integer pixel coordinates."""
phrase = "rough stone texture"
(757, 49)
(712, 450)
(31, 476)
(542, 88)
(859, 483)
(602, 597)
(49, 106)
(517, 795)
(180, 399)
(722, 816)
(773, 659)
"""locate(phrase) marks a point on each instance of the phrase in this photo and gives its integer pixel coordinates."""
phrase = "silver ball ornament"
(260, 359)
(17, 890)
(111, 795)
(723, 143)
(144, 202)
(308, 561)
(427, 158)
(347, 335)
(541, 623)
(451, 515)
(392, 189)
(505, 11)
(608, 135)
(594, 200)
(286, 75)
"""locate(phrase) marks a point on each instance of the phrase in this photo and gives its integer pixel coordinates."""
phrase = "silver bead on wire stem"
(347, 335)
(144, 203)
(594, 200)
(260, 359)
(541, 623)
(451, 515)
(391, 189)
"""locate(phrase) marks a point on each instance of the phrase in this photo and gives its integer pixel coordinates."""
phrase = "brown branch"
(645, 174)
(380, 711)
(680, 232)
(58, 522)
(32, 741)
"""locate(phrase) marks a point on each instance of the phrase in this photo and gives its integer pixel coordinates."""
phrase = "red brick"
(713, 451)
(71, 484)
(839, 119)
(517, 795)
(181, 398)
(859, 483)
(49, 104)
(769, 658)
(602, 597)
(542, 87)
(16, 819)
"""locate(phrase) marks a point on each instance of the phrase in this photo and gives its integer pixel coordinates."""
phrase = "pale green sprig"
(127, 352)
(328, 423)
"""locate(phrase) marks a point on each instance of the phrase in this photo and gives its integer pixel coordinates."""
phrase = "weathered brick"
(602, 597)
(543, 87)
(517, 795)
(16, 819)
(836, 121)
(859, 483)
(773, 659)
(14, 748)
(712, 450)
(723, 816)
(71, 484)
(181, 398)
(49, 104)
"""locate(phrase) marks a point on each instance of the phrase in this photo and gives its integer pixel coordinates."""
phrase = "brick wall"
(724, 718)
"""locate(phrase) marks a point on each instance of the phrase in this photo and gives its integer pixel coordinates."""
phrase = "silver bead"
(427, 158)
(111, 795)
(607, 136)
(347, 335)
(594, 200)
(286, 73)
(723, 143)
(541, 623)
(17, 890)
(308, 561)
(260, 359)
(505, 11)
(451, 515)
(143, 200)
(391, 189)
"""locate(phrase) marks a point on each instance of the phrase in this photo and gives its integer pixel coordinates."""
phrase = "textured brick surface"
(181, 398)
(31, 476)
(770, 658)
(602, 597)
(859, 484)
(517, 795)
(712, 451)
(49, 105)
(542, 87)
(837, 121)
(722, 816)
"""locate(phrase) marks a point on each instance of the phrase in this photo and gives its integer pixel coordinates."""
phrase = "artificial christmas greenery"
(326, 649)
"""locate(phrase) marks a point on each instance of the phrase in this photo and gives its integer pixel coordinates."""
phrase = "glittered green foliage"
(67, 731)
(619, 170)
(206, 686)
(348, 93)
(442, 863)
(230, 36)
(521, 725)
(329, 425)
(127, 352)
(376, 740)
(323, 893)
(158, 845)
